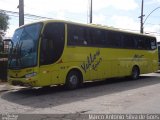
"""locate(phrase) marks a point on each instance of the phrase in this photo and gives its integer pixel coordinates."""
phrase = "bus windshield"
(25, 47)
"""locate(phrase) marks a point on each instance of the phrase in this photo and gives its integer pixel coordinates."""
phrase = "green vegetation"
(4, 21)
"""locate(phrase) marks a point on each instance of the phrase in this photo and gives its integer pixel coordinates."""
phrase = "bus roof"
(91, 25)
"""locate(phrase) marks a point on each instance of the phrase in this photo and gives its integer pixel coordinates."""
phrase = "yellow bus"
(56, 52)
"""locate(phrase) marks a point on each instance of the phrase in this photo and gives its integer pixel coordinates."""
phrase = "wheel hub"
(73, 79)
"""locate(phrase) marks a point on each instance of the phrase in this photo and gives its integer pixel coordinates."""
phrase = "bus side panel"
(101, 63)
(77, 56)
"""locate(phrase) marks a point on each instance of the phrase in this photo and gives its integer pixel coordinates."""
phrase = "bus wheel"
(135, 73)
(72, 80)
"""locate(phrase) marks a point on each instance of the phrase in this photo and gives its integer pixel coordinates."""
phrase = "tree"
(3, 23)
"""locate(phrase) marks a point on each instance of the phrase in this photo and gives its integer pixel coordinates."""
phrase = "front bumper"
(27, 82)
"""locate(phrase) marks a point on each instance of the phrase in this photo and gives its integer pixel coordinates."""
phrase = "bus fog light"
(31, 75)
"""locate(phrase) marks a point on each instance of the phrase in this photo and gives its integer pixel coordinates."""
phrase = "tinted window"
(77, 35)
(141, 43)
(129, 41)
(153, 43)
(88, 36)
(147, 43)
(113, 39)
(52, 44)
(84, 36)
(97, 37)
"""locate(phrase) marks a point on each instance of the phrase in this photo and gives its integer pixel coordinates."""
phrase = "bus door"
(52, 46)
(45, 75)
(45, 61)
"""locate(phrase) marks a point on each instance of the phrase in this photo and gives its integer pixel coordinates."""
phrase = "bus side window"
(114, 39)
(147, 43)
(139, 43)
(97, 37)
(77, 35)
(153, 44)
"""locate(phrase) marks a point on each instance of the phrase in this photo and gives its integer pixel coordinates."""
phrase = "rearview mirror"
(9, 41)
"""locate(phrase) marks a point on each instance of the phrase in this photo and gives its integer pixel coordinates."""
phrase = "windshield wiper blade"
(18, 53)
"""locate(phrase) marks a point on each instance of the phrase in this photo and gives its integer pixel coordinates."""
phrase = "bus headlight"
(31, 75)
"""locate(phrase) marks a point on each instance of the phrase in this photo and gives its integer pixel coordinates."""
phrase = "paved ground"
(111, 96)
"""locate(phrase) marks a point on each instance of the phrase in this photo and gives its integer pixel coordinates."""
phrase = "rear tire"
(135, 73)
(72, 80)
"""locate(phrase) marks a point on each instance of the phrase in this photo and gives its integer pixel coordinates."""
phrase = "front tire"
(72, 80)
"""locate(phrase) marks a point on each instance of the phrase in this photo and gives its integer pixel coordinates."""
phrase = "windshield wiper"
(18, 53)
(19, 56)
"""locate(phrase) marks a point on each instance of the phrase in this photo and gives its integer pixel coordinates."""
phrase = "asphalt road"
(110, 96)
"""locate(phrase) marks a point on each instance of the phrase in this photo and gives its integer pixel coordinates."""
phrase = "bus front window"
(25, 47)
